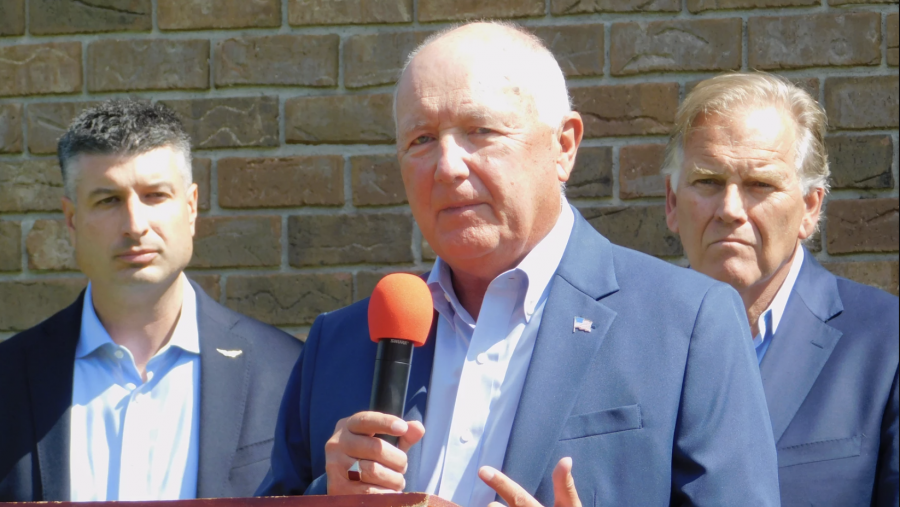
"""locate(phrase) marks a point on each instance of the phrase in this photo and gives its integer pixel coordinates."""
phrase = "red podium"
(398, 500)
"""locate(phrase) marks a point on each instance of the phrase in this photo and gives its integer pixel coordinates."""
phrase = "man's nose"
(732, 207)
(451, 165)
(136, 219)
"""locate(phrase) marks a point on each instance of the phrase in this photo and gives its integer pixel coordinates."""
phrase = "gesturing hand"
(563, 487)
(381, 464)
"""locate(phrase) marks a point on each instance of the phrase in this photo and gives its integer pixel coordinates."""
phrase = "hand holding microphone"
(400, 317)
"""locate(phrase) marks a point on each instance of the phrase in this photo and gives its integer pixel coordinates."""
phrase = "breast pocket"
(819, 451)
(600, 423)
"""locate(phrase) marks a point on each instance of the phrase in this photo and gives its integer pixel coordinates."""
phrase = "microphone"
(400, 315)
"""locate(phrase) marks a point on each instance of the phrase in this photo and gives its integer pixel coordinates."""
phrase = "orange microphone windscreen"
(401, 308)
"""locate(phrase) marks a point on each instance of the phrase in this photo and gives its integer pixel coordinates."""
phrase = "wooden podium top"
(398, 500)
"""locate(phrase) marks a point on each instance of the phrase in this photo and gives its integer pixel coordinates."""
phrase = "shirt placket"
(138, 436)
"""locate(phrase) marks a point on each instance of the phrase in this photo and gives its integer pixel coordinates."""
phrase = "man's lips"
(732, 241)
(137, 256)
(460, 207)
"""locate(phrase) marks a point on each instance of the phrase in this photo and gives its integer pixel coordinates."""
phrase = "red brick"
(158, 64)
(25, 303)
(631, 109)
(49, 248)
(378, 238)
(558, 7)
(642, 228)
(892, 37)
(282, 60)
(10, 128)
(339, 119)
(680, 45)
(10, 245)
(579, 49)
(592, 175)
(343, 12)
(862, 102)
(12, 17)
(30, 185)
(880, 274)
(860, 161)
(40, 69)
(459, 10)
(367, 280)
(48, 122)
(708, 5)
(229, 122)
(233, 242)
(862, 225)
(200, 169)
(281, 182)
(76, 16)
(639, 174)
(203, 14)
(288, 299)
(209, 284)
(374, 59)
(792, 42)
(376, 180)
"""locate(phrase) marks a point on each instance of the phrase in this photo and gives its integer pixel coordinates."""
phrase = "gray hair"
(546, 83)
(126, 127)
(730, 93)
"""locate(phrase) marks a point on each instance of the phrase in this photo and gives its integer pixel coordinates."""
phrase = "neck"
(141, 318)
(760, 295)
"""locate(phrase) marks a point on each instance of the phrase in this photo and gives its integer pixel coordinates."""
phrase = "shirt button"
(465, 437)
(119, 354)
(149, 375)
(130, 386)
(447, 297)
(481, 358)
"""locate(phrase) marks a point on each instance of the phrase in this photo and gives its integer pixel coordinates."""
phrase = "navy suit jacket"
(830, 377)
(660, 403)
(239, 399)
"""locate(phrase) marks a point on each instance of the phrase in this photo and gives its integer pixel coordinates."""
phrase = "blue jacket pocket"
(602, 422)
(819, 451)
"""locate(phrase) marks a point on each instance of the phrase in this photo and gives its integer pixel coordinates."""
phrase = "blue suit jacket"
(661, 403)
(830, 377)
(239, 398)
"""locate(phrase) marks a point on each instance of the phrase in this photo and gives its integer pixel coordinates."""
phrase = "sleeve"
(290, 469)
(887, 484)
(724, 450)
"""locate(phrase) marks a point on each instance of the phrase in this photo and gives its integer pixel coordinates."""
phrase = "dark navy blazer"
(830, 377)
(239, 399)
(660, 404)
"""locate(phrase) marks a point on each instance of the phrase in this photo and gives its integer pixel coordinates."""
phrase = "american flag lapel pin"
(582, 324)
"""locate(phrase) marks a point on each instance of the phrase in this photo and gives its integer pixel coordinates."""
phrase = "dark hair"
(122, 126)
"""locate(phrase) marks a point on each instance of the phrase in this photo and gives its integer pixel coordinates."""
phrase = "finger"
(415, 433)
(373, 449)
(376, 423)
(371, 475)
(512, 493)
(564, 492)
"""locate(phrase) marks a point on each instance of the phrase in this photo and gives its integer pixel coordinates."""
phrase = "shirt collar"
(185, 336)
(779, 303)
(538, 268)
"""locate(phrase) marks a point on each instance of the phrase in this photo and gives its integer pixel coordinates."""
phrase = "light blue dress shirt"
(479, 370)
(130, 439)
(769, 320)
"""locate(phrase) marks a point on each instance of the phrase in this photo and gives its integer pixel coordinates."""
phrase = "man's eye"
(420, 140)
(483, 130)
(706, 181)
(109, 200)
(761, 184)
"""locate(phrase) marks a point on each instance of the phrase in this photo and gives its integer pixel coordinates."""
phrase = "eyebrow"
(97, 192)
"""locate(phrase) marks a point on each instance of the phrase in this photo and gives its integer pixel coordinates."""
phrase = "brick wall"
(288, 103)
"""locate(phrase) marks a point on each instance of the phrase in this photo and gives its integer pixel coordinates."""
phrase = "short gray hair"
(126, 127)
(547, 87)
(728, 94)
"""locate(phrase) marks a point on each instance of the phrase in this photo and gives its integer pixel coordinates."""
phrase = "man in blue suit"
(747, 174)
(561, 369)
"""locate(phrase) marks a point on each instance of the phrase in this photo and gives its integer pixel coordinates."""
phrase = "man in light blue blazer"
(747, 174)
(561, 369)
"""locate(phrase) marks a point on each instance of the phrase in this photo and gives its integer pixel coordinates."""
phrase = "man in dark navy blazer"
(747, 174)
(144, 388)
(561, 369)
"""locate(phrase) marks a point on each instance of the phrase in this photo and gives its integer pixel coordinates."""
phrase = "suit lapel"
(561, 355)
(224, 381)
(802, 345)
(50, 371)
(417, 398)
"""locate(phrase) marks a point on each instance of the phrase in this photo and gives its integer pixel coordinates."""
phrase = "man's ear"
(812, 203)
(193, 200)
(671, 201)
(68, 208)
(569, 138)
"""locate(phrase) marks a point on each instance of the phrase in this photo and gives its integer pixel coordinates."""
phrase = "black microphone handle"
(392, 363)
